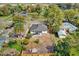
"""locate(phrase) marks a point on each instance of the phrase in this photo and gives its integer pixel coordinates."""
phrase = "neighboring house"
(38, 29)
(1, 31)
(65, 6)
(13, 4)
(1, 5)
(66, 28)
(23, 13)
(69, 26)
(2, 40)
(62, 33)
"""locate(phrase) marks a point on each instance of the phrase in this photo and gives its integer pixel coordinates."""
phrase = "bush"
(36, 41)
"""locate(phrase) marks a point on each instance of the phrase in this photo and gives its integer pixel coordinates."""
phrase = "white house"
(62, 33)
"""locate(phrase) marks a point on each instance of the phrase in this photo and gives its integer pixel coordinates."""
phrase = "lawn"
(74, 52)
(9, 17)
(4, 20)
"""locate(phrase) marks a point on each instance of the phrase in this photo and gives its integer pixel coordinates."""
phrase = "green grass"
(9, 17)
(5, 18)
(74, 52)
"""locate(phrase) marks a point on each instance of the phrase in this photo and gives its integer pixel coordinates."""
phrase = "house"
(2, 40)
(65, 29)
(69, 26)
(1, 5)
(14, 4)
(62, 33)
(65, 6)
(23, 13)
(1, 31)
(38, 29)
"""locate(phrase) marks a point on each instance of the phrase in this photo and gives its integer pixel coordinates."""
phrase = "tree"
(76, 21)
(69, 14)
(25, 41)
(38, 9)
(30, 8)
(36, 41)
(76, 5)
(73, 42)
(5, 10)
(16, 44)
(68, 46)
(55, 18)
(45, 11)
(62, 48)
(22, 7)
(18, 24)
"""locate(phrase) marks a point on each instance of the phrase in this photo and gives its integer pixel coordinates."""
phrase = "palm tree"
(18, 24)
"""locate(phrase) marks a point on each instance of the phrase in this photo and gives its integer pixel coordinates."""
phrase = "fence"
(46, 54)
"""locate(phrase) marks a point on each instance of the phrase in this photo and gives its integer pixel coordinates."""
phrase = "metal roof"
(61, 32)
(69, 26)
(1, 41)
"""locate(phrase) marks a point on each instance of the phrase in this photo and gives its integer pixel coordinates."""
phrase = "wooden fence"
(46, 54)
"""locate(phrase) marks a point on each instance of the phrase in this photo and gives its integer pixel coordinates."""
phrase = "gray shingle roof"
(23, 13)
(38, 27)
